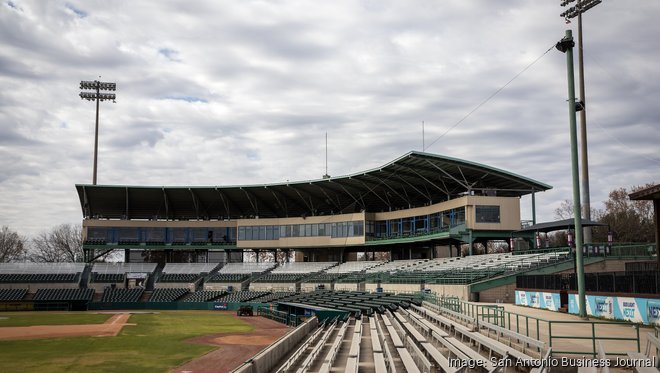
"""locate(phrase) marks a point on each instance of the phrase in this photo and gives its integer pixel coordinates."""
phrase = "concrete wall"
(222, 285)
(500, 294)
(460, 291)
(273, 286)
(394, 288)
(174, 285)
(346, 286)
(311, 286)
(268, 359)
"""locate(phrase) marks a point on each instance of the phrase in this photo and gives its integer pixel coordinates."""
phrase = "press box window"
(487, 214)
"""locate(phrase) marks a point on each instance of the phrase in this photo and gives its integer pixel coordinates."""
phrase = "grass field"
(51, 318)
(155, 344)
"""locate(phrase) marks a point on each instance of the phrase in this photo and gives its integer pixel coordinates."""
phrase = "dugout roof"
(413, 180)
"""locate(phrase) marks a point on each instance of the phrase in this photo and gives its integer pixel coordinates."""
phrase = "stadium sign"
(220, 306)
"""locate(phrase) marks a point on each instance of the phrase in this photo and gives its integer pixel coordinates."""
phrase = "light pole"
(576, 11)
(95, 95)
(566, 45)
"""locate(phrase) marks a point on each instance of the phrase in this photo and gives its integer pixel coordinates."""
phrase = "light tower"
(581, 6)
(94, 94)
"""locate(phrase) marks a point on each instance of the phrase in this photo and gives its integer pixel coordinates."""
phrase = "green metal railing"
(279, 316)
(531, 326)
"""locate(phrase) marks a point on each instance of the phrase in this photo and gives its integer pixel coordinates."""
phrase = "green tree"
(631, 221)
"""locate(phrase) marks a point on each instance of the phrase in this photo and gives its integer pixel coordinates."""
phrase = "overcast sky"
(243, 92)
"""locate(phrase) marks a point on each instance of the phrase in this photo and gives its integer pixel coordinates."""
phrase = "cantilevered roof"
(560, 225)
(413, 180)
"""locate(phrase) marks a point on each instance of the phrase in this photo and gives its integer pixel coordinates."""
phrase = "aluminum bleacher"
(185, 272)
(40, 272)
(122, 268)
(303, 267)
(246, 268)
(116, 272)
(355, 266)
(461, 270)
(397, 265)
(239, 272)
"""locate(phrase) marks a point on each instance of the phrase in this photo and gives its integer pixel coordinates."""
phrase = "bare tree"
(62, 243)
(631, 221)
(12, 245)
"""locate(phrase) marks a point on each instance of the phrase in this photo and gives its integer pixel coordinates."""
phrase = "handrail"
(499, 316)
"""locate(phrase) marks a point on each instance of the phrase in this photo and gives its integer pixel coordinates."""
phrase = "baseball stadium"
(420, 265)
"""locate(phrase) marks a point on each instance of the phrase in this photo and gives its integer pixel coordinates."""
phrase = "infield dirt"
(234, 348)
(109, 328)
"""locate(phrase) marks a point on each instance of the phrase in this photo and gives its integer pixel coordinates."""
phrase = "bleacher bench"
(652, 347)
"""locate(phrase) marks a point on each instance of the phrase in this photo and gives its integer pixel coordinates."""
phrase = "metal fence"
(557, 333)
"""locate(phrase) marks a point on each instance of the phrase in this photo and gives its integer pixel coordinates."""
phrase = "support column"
(533, 208)
(566, 45)
(470, 242)
(656, 207)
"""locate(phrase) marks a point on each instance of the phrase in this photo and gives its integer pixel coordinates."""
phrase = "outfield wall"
(633, 309)
(173, 306)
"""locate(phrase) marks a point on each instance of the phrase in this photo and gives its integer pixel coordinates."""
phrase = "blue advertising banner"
(537, 299)
(639, 310)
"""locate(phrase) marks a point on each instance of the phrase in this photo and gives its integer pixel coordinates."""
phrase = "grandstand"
(34, 276)
(419, 206)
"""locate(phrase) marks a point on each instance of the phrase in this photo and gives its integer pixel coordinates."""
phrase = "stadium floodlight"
(581, 6)
(94, 93)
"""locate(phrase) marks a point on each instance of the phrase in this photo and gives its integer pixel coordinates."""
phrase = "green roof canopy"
(413, 180)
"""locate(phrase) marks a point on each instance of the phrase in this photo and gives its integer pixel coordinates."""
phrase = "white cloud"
(243, 92)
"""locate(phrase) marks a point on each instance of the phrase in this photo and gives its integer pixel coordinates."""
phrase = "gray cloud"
(243, 93)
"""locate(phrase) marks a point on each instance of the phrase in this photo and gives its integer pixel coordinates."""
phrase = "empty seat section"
(204, 296)
(40, 272)
(185, 272)
(122, 295)
(116, 272)
(7, 295)
(168, 294)
(243, 296)
(64, 295)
